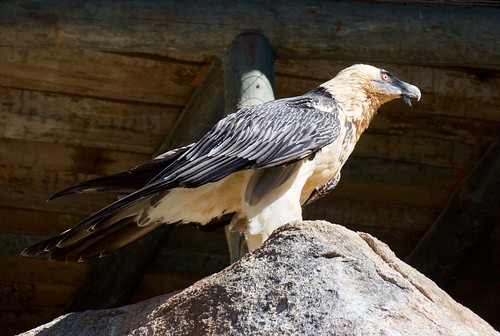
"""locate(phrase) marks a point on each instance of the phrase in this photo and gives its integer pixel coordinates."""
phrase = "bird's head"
(388, 86)
(361, 89)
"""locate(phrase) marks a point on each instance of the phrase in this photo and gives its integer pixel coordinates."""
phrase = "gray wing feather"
(265, 180)
(267, 135)
(282, 131)
(285, 131)
(129, 181)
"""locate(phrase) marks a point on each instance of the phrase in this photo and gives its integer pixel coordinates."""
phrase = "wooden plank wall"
(65, 117)
(404, 31)
(68, 115)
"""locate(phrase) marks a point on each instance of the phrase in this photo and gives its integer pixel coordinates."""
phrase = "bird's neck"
(356, 101)
(362, 122)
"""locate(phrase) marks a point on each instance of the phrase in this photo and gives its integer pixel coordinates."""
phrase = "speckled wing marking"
(262, 136)
(267, 135)
(272, 134)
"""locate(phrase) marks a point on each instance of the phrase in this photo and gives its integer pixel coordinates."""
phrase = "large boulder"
(309, 278)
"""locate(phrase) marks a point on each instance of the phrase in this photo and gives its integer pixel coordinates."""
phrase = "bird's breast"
(330, 159)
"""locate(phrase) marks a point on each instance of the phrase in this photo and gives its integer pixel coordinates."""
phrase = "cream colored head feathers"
(361, 89)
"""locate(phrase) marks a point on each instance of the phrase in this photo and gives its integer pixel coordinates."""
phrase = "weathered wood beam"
(248, 80)
(406, 32)
(114, 77)
(470, 216)
(204, 109)
(111, 281)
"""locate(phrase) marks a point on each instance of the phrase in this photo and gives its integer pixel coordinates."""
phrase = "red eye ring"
(384, 76)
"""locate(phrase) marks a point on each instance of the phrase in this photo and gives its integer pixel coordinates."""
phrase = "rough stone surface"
(309, 278)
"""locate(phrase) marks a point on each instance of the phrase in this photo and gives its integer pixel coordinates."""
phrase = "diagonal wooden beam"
(204, 109)
(470, 216)
(248, 80)
(111, 281)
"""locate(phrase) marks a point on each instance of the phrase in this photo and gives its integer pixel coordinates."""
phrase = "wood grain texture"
(23, 221)
(33, 291)
(69, 158)
(204, 109)
(372, 214)
(31, 187)
(98, 74)
(54, 118)
(466, 221)
(423, 150)
(42, 271)
(404, 33)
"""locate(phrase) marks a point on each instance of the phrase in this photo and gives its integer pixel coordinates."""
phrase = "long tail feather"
(125, 182)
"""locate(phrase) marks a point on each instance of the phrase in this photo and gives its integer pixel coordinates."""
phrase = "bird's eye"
(385, 76)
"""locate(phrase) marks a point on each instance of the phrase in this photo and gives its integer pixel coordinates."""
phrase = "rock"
(309, 278)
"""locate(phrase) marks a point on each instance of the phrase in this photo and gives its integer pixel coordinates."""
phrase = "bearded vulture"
(259, 165)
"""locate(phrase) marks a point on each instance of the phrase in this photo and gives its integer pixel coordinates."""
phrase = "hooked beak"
(409, 91)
